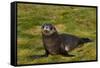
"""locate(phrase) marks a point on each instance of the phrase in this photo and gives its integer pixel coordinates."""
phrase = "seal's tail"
(85, 40)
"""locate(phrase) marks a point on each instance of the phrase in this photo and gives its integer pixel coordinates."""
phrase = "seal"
(55, 43)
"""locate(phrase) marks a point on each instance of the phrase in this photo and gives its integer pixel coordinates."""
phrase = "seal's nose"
(46, 28)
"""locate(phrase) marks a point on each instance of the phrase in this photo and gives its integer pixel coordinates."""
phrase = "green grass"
(79, 21)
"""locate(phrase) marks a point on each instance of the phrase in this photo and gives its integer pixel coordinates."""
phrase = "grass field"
(79, 21)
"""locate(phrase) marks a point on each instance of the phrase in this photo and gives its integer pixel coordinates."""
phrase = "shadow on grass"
(45, 56)
(69, 56)
(37, 56)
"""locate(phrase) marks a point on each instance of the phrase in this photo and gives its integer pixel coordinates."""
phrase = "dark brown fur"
(60, 43)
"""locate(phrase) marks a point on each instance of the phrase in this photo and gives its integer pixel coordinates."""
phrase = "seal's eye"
(51, 28)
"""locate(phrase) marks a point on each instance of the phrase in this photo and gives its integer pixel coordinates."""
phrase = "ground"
(79, 21)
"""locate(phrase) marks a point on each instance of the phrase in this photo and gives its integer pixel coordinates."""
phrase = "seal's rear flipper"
(85, 40)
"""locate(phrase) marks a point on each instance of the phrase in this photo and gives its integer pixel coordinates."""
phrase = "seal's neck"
(55, 34)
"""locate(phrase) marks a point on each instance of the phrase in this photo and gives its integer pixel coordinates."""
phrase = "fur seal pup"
(55, 43)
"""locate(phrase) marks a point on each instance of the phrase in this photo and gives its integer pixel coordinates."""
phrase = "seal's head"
(48, 29)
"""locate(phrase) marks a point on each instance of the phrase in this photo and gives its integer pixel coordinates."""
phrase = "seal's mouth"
(46, 31)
